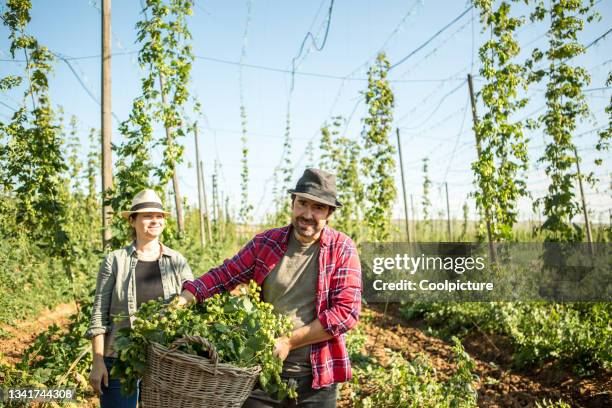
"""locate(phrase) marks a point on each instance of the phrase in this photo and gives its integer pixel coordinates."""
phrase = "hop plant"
(242, 329)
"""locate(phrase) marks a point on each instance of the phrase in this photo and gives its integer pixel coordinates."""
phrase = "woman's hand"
(98, 375)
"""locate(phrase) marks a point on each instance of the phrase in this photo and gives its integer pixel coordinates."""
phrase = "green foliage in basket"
(241, 328)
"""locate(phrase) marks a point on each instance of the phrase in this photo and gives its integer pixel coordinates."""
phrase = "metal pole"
(448, 219)
(399, 149)
(584, 206)
(198, 176)
(478, 150)
(107, 159)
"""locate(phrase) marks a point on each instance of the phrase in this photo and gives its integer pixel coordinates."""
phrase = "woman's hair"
(132, 229)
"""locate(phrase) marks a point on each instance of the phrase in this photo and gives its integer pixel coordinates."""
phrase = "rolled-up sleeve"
(238, 269)
(185, 271)
(100, 315)
(342, 313)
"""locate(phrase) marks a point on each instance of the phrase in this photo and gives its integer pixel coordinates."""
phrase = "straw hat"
(143, 202)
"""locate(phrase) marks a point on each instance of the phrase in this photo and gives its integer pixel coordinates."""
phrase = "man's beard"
(306, 230)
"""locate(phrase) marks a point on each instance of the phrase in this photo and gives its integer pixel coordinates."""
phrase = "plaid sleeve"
(238, 269)
(345, 293)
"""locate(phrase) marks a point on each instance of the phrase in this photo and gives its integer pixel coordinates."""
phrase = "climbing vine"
(603, 144)
(32, 164)
(378, 165)
(426, 202)
(503, 155)
(340, 155)
(166, 57)
(245, 207)
(565, 108)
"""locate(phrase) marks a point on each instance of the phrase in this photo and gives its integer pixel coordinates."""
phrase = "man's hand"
(282, 347)
(183, 300)
(241, 289)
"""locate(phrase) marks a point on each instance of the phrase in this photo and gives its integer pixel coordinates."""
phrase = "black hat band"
(146, 205)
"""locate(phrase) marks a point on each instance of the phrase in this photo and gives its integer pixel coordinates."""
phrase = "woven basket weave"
(177, 379)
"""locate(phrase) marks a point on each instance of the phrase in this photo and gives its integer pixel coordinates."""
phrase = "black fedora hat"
(317, 185)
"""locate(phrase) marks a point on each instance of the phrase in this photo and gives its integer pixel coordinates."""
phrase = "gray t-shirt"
(291, 287)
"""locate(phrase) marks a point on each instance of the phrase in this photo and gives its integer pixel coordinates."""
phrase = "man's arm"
(305, 335)
(342, 312)
(238, 269)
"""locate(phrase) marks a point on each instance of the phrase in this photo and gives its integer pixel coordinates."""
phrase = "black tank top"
(148, 281)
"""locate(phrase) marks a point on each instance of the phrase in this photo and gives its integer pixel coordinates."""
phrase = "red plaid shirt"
(338, 291)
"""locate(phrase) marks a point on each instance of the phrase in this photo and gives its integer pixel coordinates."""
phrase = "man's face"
(308, 218)
(148, 225)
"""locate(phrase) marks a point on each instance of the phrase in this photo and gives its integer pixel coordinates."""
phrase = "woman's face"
(149, 225)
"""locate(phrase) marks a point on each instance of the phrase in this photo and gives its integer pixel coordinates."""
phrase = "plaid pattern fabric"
(338, 291)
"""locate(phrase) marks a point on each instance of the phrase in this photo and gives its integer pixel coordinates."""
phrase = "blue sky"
(431, 96)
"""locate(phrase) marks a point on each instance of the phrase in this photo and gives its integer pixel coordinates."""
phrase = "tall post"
(414, 219)
(106, 123)
(206, 213)
(399, 149)
(227, 212)
(479, 151)
(584, 206)
(178, 202)
(214, 201)
(220, 211)
(448, 217)
(200, 187)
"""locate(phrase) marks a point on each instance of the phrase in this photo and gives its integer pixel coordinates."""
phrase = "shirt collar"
(323, 238)
(131, 249)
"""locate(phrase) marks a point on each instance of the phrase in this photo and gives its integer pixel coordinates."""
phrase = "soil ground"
(499, 385)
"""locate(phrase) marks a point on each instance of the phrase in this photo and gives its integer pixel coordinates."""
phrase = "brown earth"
(21, 334)
(499, 385)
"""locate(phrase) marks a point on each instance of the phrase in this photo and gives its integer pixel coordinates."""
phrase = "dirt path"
(499, 385)
(23, 333)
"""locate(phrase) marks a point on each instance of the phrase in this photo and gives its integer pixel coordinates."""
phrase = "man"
(309, 272)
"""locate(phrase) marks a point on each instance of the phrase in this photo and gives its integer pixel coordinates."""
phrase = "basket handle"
(187, 339)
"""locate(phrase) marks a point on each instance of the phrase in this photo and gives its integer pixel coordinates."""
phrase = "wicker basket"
(177, 379)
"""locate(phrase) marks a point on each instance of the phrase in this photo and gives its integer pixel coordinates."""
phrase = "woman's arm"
(99, 373)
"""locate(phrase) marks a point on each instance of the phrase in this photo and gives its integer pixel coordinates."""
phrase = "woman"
(128, 277)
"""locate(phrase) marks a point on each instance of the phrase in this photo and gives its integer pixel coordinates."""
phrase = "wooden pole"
(414, 219)
(584, 206)
(399, 149)
(227, 212)
(178, 202)
(214, 201)
(448, 218)
(479, 150)
(200, 189)
(206, 213)
(107, 159)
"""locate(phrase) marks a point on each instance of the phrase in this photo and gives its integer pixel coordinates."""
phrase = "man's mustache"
(305, 220)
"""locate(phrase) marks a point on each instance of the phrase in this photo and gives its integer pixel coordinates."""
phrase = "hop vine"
(565, 107)
(503, 156)
(378, 164)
